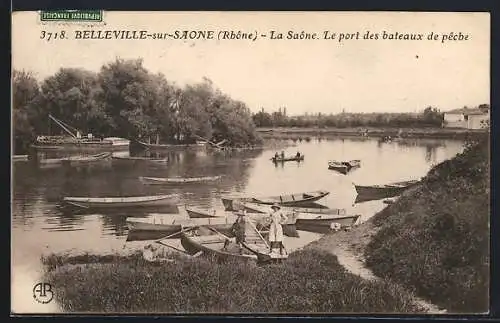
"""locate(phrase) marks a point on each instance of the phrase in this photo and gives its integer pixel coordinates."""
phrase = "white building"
(477, 118)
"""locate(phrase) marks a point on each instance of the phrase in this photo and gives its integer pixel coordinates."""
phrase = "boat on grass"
(377, 192)
(292, 158)
(344, 166)
(111, 202)
(264, 208)
(137, 158)
(177, 180)
(296, 199)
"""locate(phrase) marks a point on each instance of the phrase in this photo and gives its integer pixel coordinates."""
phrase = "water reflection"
(36, 192)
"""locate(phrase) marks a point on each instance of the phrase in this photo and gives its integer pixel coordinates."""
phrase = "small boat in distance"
(344, 166)
(296, 199)
(19, 157)
(111, 202)
(177, 180)
(170, 146)
(117, 142)
(293, 158)
(77, 160)
(376, 192)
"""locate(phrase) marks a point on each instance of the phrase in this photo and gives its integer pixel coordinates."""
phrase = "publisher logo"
(42, 293)
(71, 15)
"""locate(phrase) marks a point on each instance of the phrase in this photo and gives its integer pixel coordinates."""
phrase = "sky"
(321, 75)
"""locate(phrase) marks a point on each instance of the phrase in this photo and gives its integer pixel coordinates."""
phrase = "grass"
(308, 282)
(436, 239)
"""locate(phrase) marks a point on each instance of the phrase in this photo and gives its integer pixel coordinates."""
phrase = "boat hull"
(173, 180)
(301, 199)
(114, 202)
(368, 193)
(326, 224)
(264, 208)
(194, 245)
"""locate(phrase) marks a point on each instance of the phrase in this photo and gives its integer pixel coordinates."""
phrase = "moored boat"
(177, 180)
(344, 166)
(175, 224)
(170, 146)
(139, 158)
(376, 192)
(111, 202)
(19, 157)
(323, 223)
(117, 142)
(264, 208)
(295, 199)
(77, 160)
(262, 218)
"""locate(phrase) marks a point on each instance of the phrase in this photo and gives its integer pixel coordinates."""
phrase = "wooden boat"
(295, 199)
(110, 202)
(170, 146)
(324, 223)
(376, 192)
(345, 166)
(138, 158)
(77, 160)
(294, 158)
(19, 157)
(255, 246)
(117, 142)
(177, 180)
(263, 208)
(175, 224)
(256, 217)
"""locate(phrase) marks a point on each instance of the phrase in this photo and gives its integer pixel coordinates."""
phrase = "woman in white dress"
(275, 229)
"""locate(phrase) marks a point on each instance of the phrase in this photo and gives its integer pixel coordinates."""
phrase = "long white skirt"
(276, 232)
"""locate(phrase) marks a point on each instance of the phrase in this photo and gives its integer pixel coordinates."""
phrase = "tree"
(25, 94)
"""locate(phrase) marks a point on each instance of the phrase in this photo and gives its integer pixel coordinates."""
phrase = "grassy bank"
(308, 282)
(436, 240)
(430, 132)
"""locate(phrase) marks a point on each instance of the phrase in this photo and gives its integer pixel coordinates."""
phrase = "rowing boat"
(255, 247)
(177, 180)
(323, 223)
(197, 213)
(137, 158)
(77, 160)
(174, 224)
(376, 192)
(295, 199)
(264, 208)
(281, 160)
(19, 157)
(104, 202)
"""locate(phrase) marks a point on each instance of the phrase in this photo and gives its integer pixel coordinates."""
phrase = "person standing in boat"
(298, 155)
(276, 229)
(238, 230)
(282, 154)
(276, 156)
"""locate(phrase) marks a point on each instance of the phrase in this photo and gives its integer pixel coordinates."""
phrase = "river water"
(39, 227)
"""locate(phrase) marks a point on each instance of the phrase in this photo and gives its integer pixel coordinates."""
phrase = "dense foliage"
(308, 282)
(436, 239)
(430, 117)
(126, 100)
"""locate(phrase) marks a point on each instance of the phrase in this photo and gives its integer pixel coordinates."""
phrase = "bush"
(436, 239)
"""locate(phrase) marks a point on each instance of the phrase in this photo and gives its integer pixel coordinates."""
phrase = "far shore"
(437, 133)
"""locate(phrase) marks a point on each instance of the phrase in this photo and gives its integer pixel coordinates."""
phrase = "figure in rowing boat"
(276, 230)
(298, 155)
(282, 155)
(276, 156)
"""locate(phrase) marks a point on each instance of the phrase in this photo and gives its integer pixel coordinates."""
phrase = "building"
(476, 118)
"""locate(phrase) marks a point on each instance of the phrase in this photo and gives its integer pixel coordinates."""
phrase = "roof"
(467, 111)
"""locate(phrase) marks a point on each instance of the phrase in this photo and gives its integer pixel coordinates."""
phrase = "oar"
(214, 230)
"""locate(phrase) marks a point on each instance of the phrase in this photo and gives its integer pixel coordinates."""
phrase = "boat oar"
(214, 230)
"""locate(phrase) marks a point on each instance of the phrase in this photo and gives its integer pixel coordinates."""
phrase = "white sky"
(303, 75)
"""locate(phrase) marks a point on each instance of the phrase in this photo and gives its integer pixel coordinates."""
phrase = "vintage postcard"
(250, 162)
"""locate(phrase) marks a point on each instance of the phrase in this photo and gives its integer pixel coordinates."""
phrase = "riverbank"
(310, 281)
(431, 133)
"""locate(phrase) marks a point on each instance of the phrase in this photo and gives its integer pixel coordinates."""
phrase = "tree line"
(430, 117)
(125, 100)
